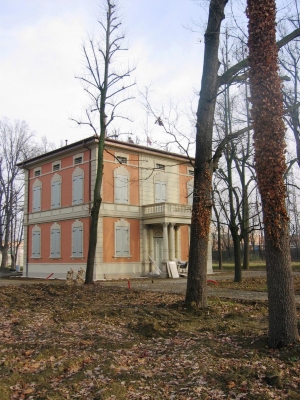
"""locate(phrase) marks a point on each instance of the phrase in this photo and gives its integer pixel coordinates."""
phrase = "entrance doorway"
(158, 251)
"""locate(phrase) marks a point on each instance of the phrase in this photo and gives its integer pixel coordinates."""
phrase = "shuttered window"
(122, 241)
(55, 243)
(36, 243)
(160, 191)
(121, 189)
(78, 189)
(190, 190)
(55, 194)
(77, 244)
(36, 206)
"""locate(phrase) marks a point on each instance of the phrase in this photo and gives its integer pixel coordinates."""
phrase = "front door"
(158, 251)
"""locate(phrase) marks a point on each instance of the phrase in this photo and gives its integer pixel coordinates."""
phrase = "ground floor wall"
(124, 246)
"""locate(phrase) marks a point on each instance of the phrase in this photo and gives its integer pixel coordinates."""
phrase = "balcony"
(167, 212)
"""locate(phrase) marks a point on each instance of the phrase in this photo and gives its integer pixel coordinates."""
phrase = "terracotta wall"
(65, 172)
(65, 246)
(184, 235)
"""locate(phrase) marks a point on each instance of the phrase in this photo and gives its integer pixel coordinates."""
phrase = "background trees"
(16, 145)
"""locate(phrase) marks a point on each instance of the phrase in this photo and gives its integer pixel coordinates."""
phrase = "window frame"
(37, 172)
(161, 167)
(56, 166)
(77, 156)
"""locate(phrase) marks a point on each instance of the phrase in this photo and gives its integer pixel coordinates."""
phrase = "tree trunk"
(237, 254)
(269, 131)
(246, 252)
(89, 277)
(4, 253)
(201, 213)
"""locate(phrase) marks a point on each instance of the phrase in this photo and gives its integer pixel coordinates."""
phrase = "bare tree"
(105, 84)
(269, 133)
(16, 145)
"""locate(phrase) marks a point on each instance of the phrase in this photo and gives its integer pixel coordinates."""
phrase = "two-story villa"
(145, 210)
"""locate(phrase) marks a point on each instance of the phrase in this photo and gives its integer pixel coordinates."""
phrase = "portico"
(162, 234)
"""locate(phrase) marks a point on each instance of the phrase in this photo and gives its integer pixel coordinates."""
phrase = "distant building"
(145, 210)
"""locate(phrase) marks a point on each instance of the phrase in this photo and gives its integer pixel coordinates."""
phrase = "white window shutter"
(37, 198)
(125, 242)
(121, 189)
(79, 245)
(157, 192)
(118, 239)
(55, 243)
(77, 189)
(36, 244)
(77, 237)
(163, 191)
(124, 189)
(122, 241)
(55, 194)
(160, 191)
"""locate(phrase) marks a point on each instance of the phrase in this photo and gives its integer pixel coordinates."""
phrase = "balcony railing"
(167, 209)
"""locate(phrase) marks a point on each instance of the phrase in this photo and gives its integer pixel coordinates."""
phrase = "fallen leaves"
(108, 343)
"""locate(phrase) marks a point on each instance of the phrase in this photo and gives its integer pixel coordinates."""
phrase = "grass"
(106, 342)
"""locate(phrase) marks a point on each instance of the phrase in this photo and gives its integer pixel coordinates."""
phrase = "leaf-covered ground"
(254, 284)
(99, 342)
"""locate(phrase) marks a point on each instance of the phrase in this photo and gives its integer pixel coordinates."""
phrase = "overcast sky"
(40, 54)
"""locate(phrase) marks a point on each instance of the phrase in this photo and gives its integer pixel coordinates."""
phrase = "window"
(191, 172)
(122, 160)
(190, 190)
(121, 185)
(122, 238)
(55, 241)
(56, 191)
(36, 195)
(56, 167)
(77, 186)
(37, 172)
(77, 239)
(160, 166)
(36, 242)
(78, 160)
(160, 191)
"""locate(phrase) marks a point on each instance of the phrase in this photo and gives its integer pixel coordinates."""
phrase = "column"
(177, 252)
(172, 243)
(151, 246)
(145, 249)
(165, 242)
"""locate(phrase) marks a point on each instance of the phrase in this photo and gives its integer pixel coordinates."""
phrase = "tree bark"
(201, 213)
(269, 131)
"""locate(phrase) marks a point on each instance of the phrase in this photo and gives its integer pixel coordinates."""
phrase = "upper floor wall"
(61, 182)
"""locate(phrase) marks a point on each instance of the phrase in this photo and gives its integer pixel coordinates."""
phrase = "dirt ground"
(106, 341)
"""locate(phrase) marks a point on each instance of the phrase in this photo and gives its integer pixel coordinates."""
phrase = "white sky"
(40, 54)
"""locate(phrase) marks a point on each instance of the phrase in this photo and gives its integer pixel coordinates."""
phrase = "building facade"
(145, 210)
